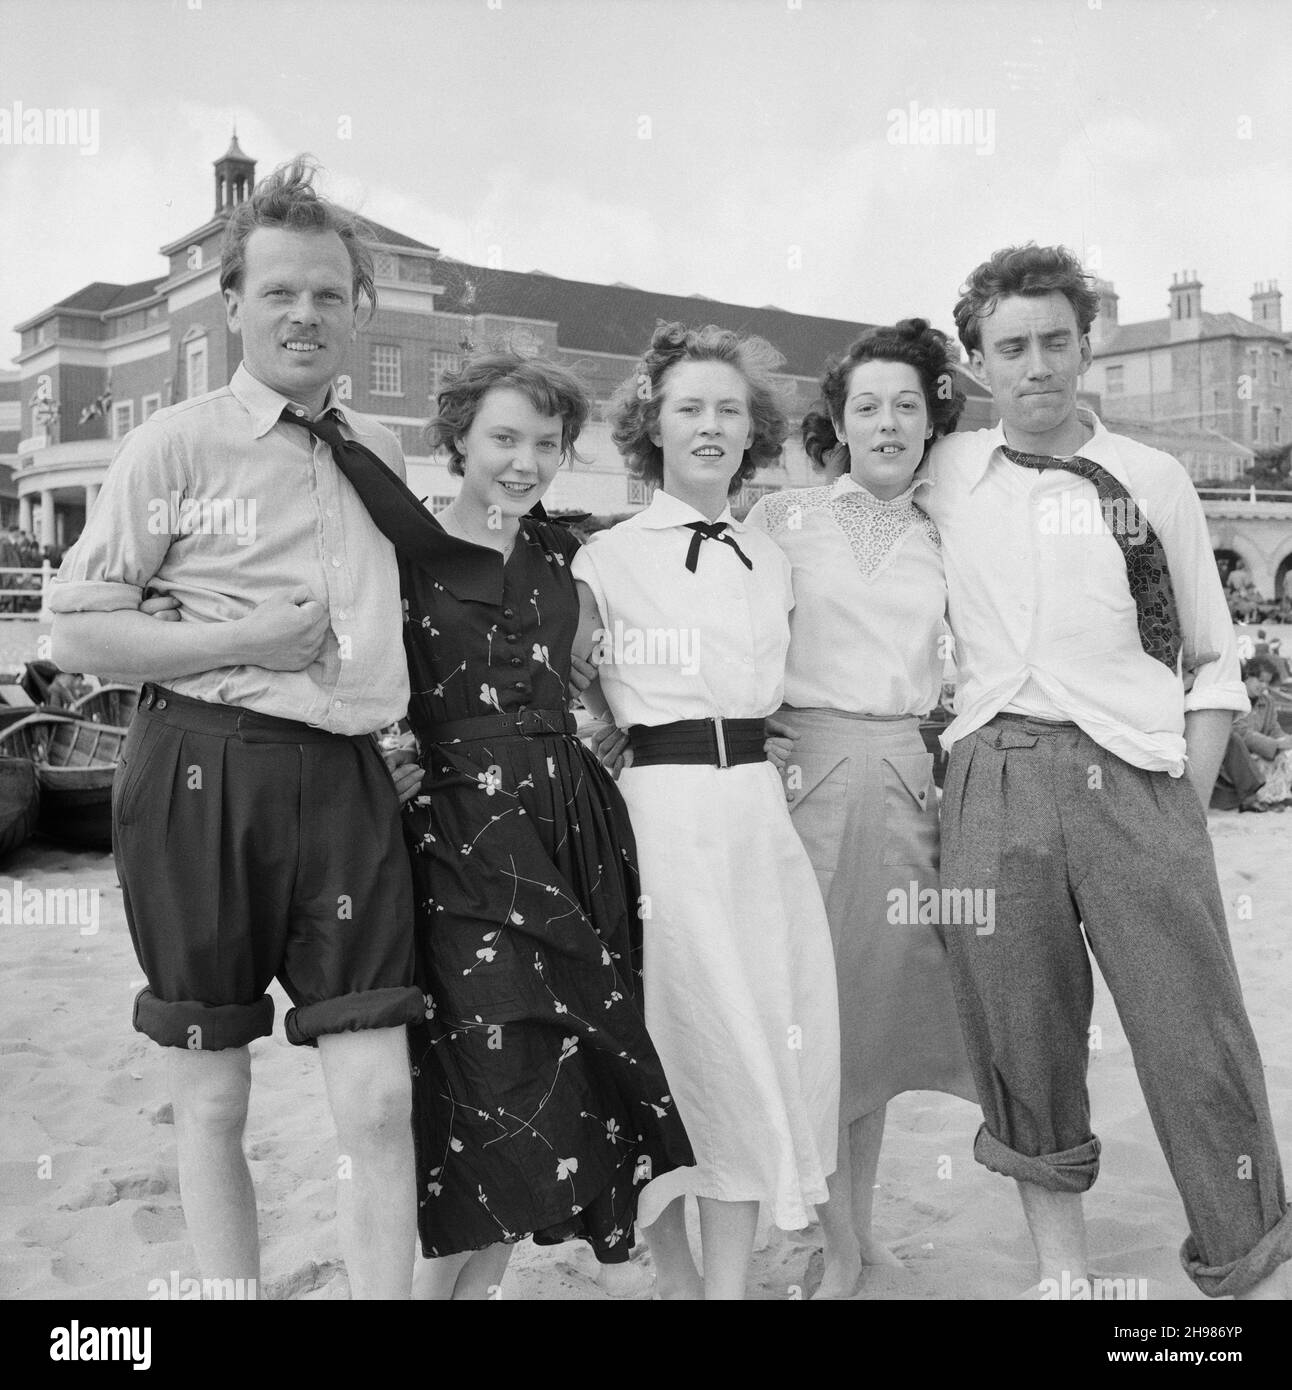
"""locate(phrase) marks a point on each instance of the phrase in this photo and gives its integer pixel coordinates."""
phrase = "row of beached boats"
(57, 766)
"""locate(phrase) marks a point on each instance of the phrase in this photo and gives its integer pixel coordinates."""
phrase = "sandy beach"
(89, 1202)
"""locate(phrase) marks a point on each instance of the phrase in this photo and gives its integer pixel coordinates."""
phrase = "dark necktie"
(400, 517)
(1146, 568)
(711, 531)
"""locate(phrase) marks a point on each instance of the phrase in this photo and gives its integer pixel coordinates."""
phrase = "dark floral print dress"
(540, 1106)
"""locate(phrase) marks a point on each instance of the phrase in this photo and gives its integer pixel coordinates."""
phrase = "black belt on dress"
(717, 742)
(524, 723)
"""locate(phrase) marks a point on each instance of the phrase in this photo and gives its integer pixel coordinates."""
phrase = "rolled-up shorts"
(251, 848)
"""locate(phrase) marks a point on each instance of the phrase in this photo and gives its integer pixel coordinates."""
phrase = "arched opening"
(1283, 586)
(1226, 562)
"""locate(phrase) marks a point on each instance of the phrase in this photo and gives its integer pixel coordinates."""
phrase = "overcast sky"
(744, 149)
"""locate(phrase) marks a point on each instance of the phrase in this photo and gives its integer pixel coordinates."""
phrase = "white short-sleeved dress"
(739, 976)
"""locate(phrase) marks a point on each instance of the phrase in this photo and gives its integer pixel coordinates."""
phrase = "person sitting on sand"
(256, 828)
(1066, 796)
(1263, 735)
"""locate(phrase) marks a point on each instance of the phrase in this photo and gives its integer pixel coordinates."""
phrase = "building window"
(387, 372)
(148, 406)
(1276, 359)
(123, 418)
(441, 364)
(1256, 424)
(195, 368)
(1278, 424)
(1115, 380)
(385, 266)
(439, 502)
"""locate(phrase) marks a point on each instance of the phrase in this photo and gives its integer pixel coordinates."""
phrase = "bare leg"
(676, 1276)
(727, 1231)
(434, 1277)
(210, 1092)
(481, 1275)
(842, 1251)
(1058, 1229)
(370, 1092)
(866, 1138)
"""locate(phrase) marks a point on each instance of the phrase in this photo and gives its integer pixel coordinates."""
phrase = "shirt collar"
(665, 510)
(845, 485)
(1100, 448)
(265, 405)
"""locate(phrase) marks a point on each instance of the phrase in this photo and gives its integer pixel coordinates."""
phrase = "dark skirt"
(539, 1104)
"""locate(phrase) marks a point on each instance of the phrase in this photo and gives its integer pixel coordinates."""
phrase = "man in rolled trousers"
(256, 826)
(1082, 594)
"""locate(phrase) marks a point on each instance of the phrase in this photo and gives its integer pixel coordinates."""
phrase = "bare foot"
(840, 1278)
(873, 1252)
(626, 1280)
(685, 1290)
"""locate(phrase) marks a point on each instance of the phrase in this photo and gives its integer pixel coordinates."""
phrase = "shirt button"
(338, 704)
(342, 616)
(507, 613)
(515, 661)
(789, 796)
(520, 685)
(513, 637)
(161, 704)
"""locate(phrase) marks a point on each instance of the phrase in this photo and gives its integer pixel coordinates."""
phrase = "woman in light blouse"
(865, 662)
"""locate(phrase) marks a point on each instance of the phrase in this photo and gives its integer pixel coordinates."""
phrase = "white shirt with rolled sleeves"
(1041, 608)
(230, 450)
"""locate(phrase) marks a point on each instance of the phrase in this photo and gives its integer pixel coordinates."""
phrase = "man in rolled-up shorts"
(256, 826)
(1082, 593)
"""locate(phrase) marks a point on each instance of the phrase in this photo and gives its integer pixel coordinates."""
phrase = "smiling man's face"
(294, 310)
(1032, 359)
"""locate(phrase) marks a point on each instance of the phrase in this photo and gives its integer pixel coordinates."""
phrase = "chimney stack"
(1185, 306)
(1267, 306)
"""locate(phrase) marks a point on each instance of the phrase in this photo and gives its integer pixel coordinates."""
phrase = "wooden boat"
(75, 763)
(19, 802)
(109, 704)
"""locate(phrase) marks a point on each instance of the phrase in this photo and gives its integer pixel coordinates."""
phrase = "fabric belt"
(1034, 719)
(524, 723)
(717, 742)
(233, 721)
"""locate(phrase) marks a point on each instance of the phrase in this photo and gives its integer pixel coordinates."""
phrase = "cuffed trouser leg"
(1057, 824)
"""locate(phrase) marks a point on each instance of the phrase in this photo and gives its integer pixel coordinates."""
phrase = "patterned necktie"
(711, 531)
(1141, 547)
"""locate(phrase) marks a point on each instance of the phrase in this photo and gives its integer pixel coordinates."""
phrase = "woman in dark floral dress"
(540, 1105)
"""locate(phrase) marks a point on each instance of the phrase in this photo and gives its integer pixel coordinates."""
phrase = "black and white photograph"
(645, 656)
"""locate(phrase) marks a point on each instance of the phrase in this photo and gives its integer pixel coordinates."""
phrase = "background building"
(109, 355)
(1219, 383)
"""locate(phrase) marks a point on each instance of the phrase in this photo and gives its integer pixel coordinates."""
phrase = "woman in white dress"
(865, 662)
(692, 609)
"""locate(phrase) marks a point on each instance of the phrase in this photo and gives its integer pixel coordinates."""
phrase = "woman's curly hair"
(911, 341)
(633, 412)
(550, 388)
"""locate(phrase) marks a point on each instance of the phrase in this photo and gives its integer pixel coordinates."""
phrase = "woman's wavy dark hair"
(633, 412)
(550, 388)
(911, 341)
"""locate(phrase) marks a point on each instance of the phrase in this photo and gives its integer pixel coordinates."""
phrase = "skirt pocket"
(910, 811)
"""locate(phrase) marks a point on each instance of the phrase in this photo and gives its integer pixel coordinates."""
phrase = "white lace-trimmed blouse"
(870, 598)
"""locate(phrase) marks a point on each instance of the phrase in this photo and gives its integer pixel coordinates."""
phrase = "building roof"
(102, 295)
(1156, 333)
(387, 237)
(619, 319)
(1172, 437)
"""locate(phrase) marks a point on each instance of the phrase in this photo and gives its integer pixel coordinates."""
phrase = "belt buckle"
(530, 722)
(720, 740)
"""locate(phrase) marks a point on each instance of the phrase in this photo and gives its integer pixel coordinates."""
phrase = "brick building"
(109, 355)
(1223, 381)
